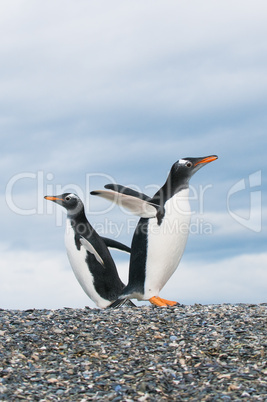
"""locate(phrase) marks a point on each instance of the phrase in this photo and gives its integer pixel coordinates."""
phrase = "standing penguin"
(89, 256)
(160, 236)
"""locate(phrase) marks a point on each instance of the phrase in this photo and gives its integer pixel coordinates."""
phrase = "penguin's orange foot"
(158, 301)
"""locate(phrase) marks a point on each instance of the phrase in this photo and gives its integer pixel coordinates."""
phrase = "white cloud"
(240, 279)
(243, 222)
(148, 56)
(38, 280)
(45, 280)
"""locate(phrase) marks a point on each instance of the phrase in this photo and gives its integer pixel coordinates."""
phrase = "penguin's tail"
(122, 302)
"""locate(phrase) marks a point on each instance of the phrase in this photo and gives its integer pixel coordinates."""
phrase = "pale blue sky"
(93, 92)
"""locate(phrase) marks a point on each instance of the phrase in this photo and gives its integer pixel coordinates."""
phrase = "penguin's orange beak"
(52, 198)
(208, 159)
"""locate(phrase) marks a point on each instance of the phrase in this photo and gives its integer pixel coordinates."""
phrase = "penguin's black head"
(70, 201)
(180, 174)
(188, 166)
(182, 170)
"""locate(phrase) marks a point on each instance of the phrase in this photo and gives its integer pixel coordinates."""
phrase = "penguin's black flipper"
(127, 191)
(116, 244)
(122, 302)
(138, 206)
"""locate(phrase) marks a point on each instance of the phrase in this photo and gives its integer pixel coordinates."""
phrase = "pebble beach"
(196, 353)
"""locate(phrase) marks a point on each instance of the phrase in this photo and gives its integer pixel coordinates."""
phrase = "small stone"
(52, 380)
(57, 330)
(117, 388)
(233, 387)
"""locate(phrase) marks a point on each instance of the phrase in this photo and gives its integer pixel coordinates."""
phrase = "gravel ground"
(196, 353)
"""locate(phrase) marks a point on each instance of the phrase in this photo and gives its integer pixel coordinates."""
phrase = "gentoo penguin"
(160, 236)
(88, 254)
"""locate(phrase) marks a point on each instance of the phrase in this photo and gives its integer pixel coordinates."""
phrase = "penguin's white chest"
(166, 243)
(77, 259)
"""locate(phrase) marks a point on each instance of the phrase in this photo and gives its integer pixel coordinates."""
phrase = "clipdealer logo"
(42, 184)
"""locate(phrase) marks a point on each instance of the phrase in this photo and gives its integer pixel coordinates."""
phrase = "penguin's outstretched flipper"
(122, 302)
(116, 244)
(130, 199)
(127, 191)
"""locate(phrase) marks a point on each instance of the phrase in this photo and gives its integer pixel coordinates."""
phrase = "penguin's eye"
(189, 164)
(67, 198)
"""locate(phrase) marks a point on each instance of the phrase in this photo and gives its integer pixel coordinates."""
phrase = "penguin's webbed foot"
(158, 301)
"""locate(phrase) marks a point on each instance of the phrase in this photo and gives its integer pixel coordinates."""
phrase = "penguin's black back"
(138, 259)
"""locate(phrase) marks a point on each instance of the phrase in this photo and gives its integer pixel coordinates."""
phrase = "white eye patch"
(71, 196)
(182, 161)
